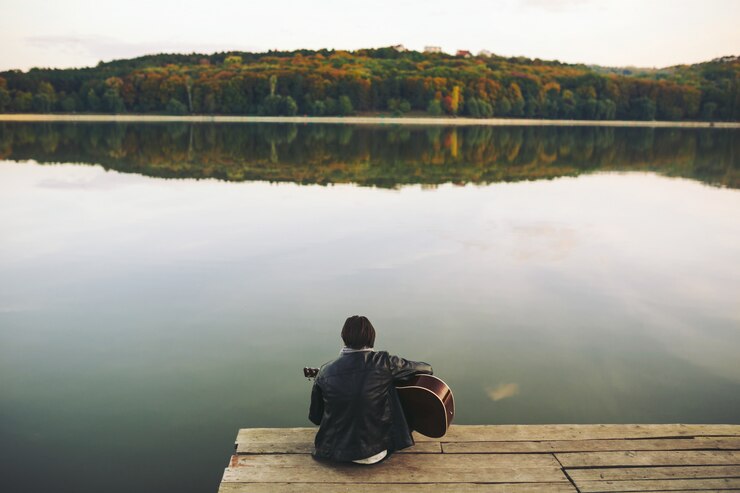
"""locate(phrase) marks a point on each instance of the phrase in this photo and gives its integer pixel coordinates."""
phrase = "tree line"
(377, 81)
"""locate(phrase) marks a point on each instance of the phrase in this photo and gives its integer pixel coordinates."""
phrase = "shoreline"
(359, 120)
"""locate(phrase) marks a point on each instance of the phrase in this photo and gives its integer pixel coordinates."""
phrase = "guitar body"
(426, 400)
(428, 404)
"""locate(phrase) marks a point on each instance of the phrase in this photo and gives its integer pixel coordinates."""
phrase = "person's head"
(358, 332)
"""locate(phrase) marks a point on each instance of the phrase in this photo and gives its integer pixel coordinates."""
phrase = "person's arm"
(403, 368)
(317, 405)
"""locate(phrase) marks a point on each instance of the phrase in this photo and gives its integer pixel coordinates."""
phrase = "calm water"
(550, 275)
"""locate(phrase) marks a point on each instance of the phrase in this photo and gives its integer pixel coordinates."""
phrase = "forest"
(377, 82)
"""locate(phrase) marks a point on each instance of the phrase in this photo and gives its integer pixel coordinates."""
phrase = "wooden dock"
(501, 458)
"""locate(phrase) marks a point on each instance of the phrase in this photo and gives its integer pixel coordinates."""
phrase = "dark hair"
(358, 332)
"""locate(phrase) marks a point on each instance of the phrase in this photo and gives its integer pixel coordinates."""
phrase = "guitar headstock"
(310, 372)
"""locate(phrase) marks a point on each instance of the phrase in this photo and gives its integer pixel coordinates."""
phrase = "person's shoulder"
(380, 358)
(326, 367)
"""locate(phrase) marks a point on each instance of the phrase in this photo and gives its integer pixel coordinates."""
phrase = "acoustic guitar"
(427, 402)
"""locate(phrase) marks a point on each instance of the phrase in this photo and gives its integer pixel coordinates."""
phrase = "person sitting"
(354, 399)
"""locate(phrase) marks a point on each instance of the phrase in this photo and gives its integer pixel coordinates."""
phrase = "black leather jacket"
(354, 400)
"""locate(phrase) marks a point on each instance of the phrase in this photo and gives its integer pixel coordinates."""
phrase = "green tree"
(113, 102)
(588, 109)
(642, 108)
(279, 106)
(41, 103)
(399, 106)
(317, 108)
(472, 108)
(485, 109)
(5, 98)
(531, 107)
(345, 106)
(44, 99)
(68, 104)
(608, 109)
(22, 102)
(331, 106)
(434, 108)
(233, 60)
(503, 107)
(708, 111)
(92, 100)
(289, 106)
(176, 107)
(271, 105)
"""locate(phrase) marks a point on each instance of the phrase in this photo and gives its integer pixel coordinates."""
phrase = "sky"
(643, 33)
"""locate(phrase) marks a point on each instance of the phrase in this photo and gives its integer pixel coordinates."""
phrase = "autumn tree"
(455, 103)
(516, 99)
(377, 80)
(112, 100)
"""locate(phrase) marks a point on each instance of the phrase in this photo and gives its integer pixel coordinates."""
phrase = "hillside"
(384, 80)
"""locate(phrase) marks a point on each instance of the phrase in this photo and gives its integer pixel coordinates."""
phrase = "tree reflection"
(376, 155)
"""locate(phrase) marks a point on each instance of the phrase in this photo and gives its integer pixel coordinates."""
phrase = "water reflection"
(377, 156)
(503, 391)
(140, 316)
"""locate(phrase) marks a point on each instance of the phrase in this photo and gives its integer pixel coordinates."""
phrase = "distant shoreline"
(358, 120)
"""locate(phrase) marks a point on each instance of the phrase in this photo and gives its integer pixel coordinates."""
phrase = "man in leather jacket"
(354, 399)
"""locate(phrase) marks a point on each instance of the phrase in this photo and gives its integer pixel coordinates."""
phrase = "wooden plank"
(408, 468)
(659, 485)
(396, 488)
(625, 473)
(432, 460)
(549, 446)
(307, 448)
(650, 458)
(276, 435)
(299, 441)
(726, 443)
(495, 433)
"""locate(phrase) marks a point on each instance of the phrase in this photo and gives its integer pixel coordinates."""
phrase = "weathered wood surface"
(426, 468)
(664, 485)
(625, 473)
(397, 488)
(650, 458)
(501, 458)
(548, 446)
(300, 441)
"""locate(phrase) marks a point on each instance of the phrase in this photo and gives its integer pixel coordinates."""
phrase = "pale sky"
(646, 33)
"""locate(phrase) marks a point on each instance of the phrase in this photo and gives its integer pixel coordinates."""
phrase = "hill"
(328, 82)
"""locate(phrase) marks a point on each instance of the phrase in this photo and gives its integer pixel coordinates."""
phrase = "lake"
(162, 285)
